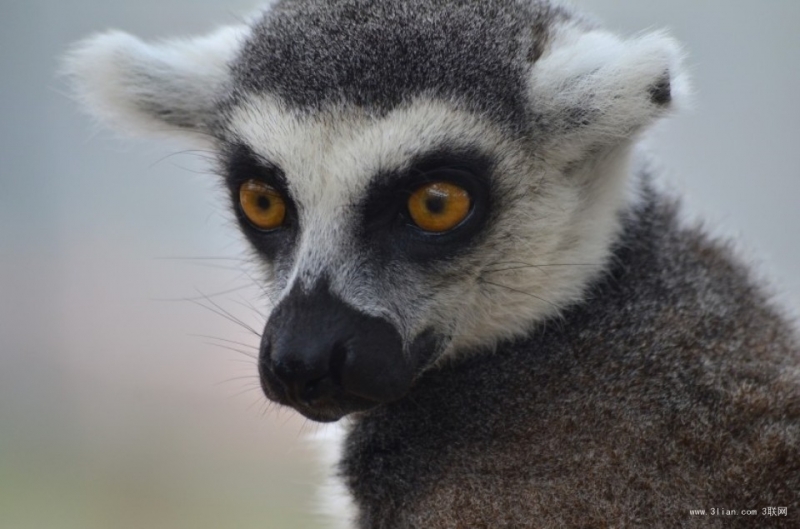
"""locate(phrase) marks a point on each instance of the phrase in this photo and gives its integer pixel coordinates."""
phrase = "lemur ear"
(594, 90)
(165, 87)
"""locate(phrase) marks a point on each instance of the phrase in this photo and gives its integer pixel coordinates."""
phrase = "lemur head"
(419, 178)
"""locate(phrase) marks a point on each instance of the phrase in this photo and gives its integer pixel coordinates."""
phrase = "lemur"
(471, 267)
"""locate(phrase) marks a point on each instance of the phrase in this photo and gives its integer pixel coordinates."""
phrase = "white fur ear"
(594, 90)
(170, 86)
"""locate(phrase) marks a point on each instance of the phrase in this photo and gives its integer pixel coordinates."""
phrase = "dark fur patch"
(239, 164)
(388, 234)
(661, 92)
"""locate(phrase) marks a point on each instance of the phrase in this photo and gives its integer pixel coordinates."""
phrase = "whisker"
(260, 286)
(248, 355)
(237, 17)
(250, 303)
(267, 407)
(214, 138)
(214, 266)
(204, 296)
(227, 317)
(250, 307)
(547, 265)
(520, 292)
(242, 361)
(520, 265)
(259, 400)
(234, 379)
(240, 322)
(249, 346)
(179, 258)
(206, 156)
(249, 388)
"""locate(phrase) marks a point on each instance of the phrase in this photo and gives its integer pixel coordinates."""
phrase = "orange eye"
(262, 204)
(439, 206)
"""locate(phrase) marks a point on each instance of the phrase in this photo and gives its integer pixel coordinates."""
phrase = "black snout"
(326, 358)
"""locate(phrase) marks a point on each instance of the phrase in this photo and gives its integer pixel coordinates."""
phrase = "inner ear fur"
(593, 90)
(164, 87)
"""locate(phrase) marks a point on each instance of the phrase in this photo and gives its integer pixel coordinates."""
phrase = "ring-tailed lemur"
(468, 261)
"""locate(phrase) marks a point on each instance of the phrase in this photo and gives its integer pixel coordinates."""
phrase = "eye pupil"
(435, 204)
(264, 202)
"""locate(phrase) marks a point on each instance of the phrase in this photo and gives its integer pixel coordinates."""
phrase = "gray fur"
(379, 54)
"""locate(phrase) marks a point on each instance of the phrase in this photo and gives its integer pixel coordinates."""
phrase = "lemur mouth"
(330, 407)
(333, 411)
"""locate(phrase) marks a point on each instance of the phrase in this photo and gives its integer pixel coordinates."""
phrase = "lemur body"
(674, 385)
(467, 262)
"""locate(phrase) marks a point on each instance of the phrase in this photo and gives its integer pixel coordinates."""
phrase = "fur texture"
(675, 386)
(594, 364)
(379, 54)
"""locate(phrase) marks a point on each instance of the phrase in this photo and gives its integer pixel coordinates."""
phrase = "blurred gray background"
(120, 406)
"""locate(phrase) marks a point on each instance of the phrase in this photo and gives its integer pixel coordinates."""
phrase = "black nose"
(319, 352)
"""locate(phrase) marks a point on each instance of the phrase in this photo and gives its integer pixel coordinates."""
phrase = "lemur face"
(419, 179)
(392, 233)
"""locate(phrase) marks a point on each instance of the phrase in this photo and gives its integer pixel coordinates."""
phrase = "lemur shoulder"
(471, 268)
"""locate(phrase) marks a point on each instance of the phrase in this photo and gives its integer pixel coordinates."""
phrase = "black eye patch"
(387, 229)
(240, 164)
